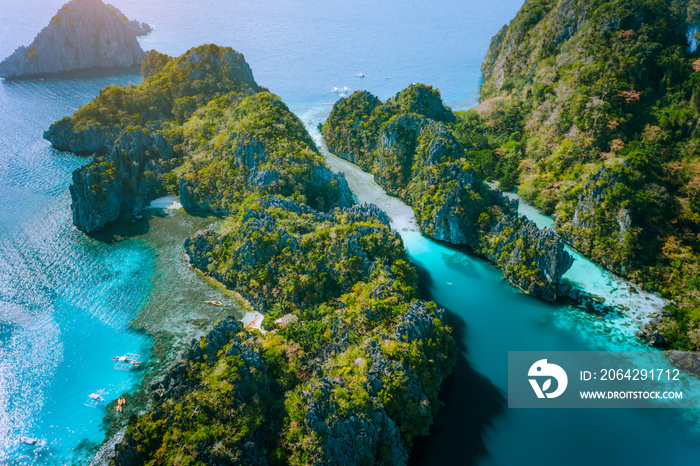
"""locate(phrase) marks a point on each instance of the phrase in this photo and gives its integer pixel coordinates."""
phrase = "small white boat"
(335, 89)
(360, 75)
(35, 442)
(129, 361)
(346, 90)
(95, 397)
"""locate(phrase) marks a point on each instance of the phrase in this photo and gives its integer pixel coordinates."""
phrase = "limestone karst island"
(292, 233)
(83, 35)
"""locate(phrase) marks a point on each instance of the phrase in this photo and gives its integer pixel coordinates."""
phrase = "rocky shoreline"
(133, 164)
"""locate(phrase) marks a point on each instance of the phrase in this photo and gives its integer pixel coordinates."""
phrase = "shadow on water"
(471, 402)
(126, 226)
(424, 282)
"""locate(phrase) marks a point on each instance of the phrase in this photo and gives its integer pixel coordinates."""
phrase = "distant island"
(83, 35)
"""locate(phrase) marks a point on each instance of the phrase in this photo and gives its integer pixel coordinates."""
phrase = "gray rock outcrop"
(352, 438)
(253, 381)
(139, 28)
(117, 182)
(595, 201)
(408, 145)
(518, 244)
(83, 35)
(193, 200)
(202, 247)
(94, 139)
(372, 436)
(688, 361)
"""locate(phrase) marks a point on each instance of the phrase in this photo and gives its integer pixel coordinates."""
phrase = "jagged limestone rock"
(150, 138)
(83, 35)
(139, 28)
(184, 384)
(408, 145)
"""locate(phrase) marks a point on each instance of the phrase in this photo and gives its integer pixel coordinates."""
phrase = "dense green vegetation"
(353, 375)
(198, 126)
(408, 143)
(172, 89)
(592, 110)
(234, 145)
(294, 260)
(361, 338)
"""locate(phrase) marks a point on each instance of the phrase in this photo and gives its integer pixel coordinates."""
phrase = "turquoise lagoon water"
(65, 299)
(491, 318)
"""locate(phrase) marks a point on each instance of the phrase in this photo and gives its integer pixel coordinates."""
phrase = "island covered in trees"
(354, 376)
(589, 110)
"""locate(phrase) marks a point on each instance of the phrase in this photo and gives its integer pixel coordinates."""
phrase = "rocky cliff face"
(352, 438)
(194, 199)
(598, 213)
(123, 180)
(93, 139)
(84, 34)
(408, 144)
(198, 125)
(139, 28)
(373, 436)
(511, 52)
(515, 243)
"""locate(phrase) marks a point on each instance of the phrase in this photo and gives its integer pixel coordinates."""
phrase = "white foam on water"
(166, 202)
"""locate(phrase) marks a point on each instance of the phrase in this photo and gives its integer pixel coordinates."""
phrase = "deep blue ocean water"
(65, 299)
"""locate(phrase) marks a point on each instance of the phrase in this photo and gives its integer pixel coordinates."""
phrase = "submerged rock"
(83, 35)
(688, 361)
